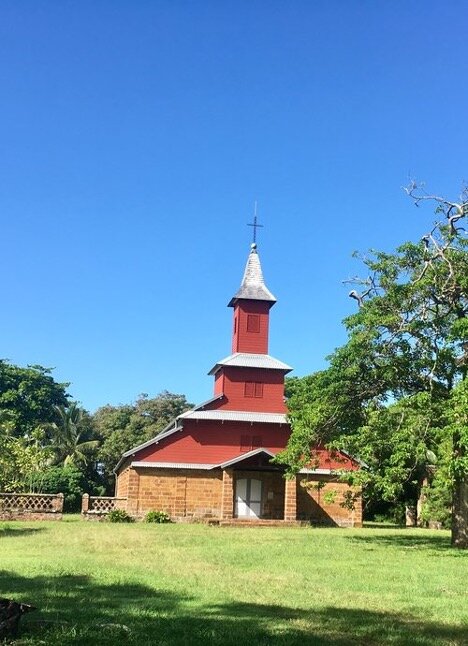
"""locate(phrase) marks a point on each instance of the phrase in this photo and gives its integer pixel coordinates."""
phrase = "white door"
(248, 498)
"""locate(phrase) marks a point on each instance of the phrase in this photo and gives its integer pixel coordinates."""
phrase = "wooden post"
(290, 499)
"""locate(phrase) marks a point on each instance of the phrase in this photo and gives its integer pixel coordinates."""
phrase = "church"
(214, 462)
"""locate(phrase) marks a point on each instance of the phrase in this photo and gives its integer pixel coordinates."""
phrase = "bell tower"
(250, 379)
(251, 304)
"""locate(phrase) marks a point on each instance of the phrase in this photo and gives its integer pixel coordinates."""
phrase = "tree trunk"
(460, 513)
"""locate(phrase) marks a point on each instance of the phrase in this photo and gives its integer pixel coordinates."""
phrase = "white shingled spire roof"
(253, 286)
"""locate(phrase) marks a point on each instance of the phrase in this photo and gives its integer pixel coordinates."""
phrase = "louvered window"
(253, 323)
(253, 389)
(249, 389)
(257, 441)
(258, 389)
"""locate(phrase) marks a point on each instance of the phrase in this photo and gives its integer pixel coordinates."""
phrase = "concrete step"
(261, 522)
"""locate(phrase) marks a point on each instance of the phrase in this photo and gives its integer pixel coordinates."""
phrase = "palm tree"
(67, 436)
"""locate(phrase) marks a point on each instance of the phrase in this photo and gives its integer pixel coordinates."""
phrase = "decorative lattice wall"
(101, 505)
(31, 506)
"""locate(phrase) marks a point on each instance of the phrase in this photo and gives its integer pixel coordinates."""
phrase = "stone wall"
(181, 493)
(190, 494)
(121, 483)
(319, 500)
(31, 506)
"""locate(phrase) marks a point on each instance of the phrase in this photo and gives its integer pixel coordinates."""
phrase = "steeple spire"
(253, 285)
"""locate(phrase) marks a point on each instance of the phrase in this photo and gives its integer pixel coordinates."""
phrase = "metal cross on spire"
(255, 225)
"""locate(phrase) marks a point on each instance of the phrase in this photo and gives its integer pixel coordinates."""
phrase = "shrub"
(68, 480)
(157, 517)
(119, 516)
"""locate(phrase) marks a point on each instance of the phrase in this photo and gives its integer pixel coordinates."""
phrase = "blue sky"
(136, 136)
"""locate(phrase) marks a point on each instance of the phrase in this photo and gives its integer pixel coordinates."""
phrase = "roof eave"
(232, 303)
(246, 456)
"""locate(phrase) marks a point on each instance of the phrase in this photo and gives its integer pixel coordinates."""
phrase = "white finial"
(253, 245)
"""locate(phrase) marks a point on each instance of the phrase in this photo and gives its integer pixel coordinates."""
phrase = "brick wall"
(181, 493)
(319, 498)
(121, 483)
(192, 494)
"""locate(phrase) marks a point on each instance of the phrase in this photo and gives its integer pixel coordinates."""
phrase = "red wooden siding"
(250, 316)
(212, 442)
(219, 383)
(237, 395)
(209, 442)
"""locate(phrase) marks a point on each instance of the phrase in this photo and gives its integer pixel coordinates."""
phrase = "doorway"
(248, 498)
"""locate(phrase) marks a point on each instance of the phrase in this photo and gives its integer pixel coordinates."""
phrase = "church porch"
(255, 490)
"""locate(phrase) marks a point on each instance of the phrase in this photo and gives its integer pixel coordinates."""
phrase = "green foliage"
(437, 502)
(28, 397)
(329, 496)
(21, 459)
(67, 479)
(69, 441)
(398, 443)
(119, 516)
(396, 395)
(157, 517)
(458, 427)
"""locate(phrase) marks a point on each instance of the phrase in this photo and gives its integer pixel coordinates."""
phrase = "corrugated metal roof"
(223, 465)
(235, 416)
(246, 456)
(208, 401)
(253, 286)
(172, 465)
(251, 360)
(317, 471)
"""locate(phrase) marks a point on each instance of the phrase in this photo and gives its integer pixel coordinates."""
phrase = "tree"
(21, 458)
(69, 441)
(28, 397)
(405, 363)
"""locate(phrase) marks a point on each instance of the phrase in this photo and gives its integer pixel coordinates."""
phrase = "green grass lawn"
(97, 583)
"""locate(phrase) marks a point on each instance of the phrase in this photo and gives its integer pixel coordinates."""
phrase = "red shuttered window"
(249, 389)
(253, 323)
(253, 389)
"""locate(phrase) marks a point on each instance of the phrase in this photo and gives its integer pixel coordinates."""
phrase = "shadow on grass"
(408, 540)
(370, 524)
(17, 530)
(78, 610)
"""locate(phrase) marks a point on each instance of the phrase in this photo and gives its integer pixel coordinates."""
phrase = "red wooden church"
(214, 461)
